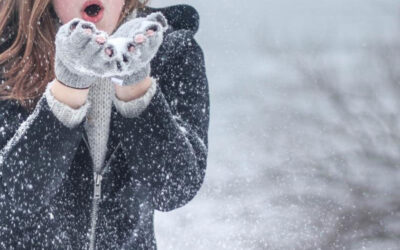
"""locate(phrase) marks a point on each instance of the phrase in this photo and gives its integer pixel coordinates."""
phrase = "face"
(103, 13)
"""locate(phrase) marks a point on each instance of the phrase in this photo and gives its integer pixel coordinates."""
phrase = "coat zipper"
(97, 177)
(95, 207)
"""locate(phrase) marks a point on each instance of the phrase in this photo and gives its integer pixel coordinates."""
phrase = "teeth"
(92, 10)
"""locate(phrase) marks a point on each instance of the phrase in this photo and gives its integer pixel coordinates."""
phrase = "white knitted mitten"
(80, 56)
(133, 46)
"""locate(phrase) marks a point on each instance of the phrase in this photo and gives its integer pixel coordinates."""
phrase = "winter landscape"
(305, 131)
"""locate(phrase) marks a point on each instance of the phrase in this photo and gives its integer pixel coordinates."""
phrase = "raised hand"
(80, 55)
(133, 45)
(84, 53)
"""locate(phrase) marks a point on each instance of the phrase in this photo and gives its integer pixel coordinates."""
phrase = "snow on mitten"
(133, 46)
(80, 55)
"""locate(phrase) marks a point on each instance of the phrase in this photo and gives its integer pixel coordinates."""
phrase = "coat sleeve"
(36, 152)
(166, 145)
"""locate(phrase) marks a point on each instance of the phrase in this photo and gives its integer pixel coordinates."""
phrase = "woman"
(86, 158)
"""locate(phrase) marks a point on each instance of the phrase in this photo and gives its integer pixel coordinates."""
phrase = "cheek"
(114, 12)
(66, 10)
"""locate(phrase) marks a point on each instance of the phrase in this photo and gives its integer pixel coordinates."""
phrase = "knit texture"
(84, 53)
(97, 124)
(77, 61)
(68, 116)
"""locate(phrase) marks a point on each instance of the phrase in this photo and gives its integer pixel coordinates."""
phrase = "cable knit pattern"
(135, 107)
(68, 116)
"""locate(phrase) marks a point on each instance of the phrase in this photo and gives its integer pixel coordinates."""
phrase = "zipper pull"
(97, 185)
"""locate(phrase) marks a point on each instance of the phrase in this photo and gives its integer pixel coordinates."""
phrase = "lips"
(92, 11)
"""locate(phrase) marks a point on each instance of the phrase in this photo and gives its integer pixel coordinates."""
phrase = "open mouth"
(92, 11)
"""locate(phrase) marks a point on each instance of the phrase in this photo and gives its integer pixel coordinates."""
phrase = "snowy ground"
(305, 132)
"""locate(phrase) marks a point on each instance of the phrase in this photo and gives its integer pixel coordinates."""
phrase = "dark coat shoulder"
(180, 17)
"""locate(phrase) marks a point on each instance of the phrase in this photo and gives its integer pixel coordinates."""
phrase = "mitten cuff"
(70, 79)
(135, 107)
(68, 116)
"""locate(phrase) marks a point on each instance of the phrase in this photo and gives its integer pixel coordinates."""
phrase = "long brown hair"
(27, 31)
